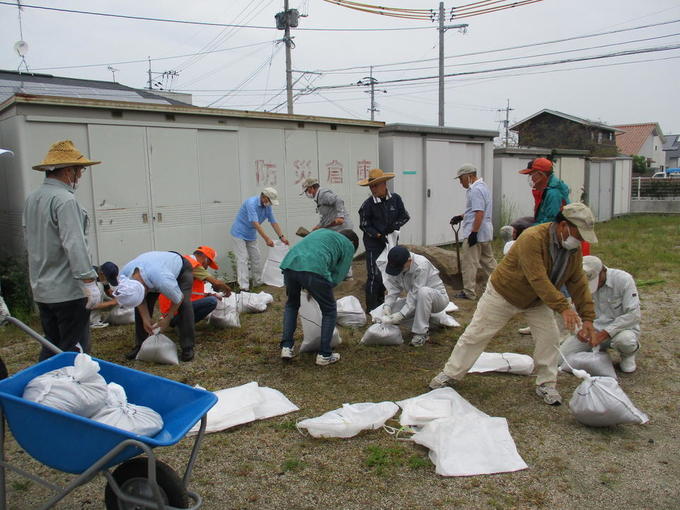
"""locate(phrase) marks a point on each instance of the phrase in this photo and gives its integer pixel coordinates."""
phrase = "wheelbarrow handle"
(23, 327)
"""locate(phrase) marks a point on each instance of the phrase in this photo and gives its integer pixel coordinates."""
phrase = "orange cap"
(540, 164)
(210, 253)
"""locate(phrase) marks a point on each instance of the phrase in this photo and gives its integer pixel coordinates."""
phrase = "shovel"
(457, 279)
(302, 232)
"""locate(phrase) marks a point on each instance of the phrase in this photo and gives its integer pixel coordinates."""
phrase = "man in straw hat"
(381, 214)
(63, 281)
(528, 281)
(244, 230)
(477, 231)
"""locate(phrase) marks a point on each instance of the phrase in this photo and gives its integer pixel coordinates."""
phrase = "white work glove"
(92, 293)
(387, 310)
(394, 318)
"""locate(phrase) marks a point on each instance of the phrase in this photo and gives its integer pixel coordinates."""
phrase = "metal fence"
(647, 188)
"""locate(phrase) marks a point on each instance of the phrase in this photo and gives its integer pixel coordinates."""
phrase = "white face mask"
(570, 243)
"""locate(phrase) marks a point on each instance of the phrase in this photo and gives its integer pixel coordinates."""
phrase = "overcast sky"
(248, 72)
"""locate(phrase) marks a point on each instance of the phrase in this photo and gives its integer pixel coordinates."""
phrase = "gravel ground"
(269, 465)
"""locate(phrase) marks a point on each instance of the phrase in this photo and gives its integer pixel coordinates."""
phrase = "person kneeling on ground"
(202, 303)
(426, 294)
(528, 281)
(142, 280)
(317, 264)
(617, 314)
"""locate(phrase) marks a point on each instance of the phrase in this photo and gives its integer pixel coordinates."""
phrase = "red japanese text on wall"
(265, 173)
(303, 169)
(363, 167)
(335, 172)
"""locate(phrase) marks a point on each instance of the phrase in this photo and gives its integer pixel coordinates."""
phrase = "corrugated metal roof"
(572, 118)
(632, 138)
(436, 130)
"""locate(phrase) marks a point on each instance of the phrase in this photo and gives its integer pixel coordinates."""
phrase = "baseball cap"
(272, 195)
(129, 293)
(309, 181)
(541, 164)
(110, 272)
(210, 253)
(592, 266)
(466, 169)
(582, 218)
(396, 258)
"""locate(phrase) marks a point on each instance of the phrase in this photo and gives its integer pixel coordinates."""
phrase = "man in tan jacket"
(528, 280)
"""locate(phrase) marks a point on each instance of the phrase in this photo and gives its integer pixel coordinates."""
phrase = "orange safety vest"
(197, 290)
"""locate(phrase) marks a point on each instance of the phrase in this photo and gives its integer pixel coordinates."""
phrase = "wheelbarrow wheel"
(132, 477)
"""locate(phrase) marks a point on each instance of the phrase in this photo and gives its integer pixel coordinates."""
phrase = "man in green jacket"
(528, 281)
(317, 264)
(551, 194)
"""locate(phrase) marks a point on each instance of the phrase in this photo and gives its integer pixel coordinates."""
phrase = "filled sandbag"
(600, 402)
(77, 389)
(118, 412)
(382, 334)
(509, 362)
(595, 363)
(350, 419)
(225, 314)
(350, 312)
(310, 316)
(158, 348)
(119, 316)
(249, 302)
(271, 272)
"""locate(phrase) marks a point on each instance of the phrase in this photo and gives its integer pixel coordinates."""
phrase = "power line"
(207, 23)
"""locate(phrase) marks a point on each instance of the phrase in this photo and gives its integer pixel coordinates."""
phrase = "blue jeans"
(202, 308)
(321, 290)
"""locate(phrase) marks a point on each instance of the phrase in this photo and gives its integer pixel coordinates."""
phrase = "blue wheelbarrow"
(85, 447)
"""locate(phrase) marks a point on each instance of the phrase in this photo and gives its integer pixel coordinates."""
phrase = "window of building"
(599, 137)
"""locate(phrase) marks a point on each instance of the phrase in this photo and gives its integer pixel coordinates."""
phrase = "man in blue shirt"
(317, 263)
(244, 230)
(477, 231)
(139, 284)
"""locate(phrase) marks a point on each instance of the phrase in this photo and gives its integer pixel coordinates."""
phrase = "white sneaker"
(322, 361)
(419, 340)
(440, 380)
(524, 331)
(627, 363)
(549, 394)
(287, 353)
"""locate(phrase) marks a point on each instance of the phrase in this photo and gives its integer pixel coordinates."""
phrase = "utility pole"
(370, 81)
(443, 28)
(506, 122)
(286, 20)
(150, 82)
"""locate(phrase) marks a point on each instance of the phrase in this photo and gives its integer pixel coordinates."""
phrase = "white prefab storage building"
(173, 177)
(426, 159)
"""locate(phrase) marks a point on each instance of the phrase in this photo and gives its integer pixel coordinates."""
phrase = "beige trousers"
(492, 313)
(480, 256)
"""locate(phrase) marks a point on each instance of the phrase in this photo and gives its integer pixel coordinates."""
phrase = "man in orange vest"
(202, 303)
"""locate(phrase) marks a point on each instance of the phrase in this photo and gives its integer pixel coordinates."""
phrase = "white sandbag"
(600, 402)
(77, 389)
(509, 362)
(310, 316)
(225, 314)
(158, 348)
(392, 240)
(382, 334)
(350, 313)
(118, 412)
(244, 404)
(451, 307)
(271, 273)
(350, 419)
(470, 445)
(595, 363)
(436, 404)
(265, 297)
(443, 319)
(249, 302)
(119, 316)
(436, 319)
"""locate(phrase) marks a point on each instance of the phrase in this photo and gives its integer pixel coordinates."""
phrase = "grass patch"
(292, 465)
(381, 459)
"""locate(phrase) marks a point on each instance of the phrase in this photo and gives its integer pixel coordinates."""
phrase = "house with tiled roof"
(671, 146)
(557, 130)
(643, 140)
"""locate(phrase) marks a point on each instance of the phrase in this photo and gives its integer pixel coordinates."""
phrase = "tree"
(640, 165)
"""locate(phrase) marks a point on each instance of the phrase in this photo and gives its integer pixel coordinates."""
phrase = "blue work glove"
(472, 239)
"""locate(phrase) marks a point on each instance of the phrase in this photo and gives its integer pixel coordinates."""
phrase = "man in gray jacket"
(425, 292)
(63, 281)
(329, 205)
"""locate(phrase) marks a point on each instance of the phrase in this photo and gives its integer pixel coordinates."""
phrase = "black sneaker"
(133, 353)
(187, 354)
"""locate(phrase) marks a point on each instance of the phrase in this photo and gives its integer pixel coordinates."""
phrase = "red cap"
(210, 253)
(540, 164)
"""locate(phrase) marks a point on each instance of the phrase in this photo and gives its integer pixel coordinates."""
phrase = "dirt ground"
(270, 465)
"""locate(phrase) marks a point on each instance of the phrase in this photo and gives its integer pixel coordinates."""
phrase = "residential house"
(556, 130)
(671, 146)
(643, 140)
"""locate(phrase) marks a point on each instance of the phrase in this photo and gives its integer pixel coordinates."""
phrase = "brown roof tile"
(633, 137)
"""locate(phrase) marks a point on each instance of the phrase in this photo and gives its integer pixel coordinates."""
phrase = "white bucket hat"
(592, 266)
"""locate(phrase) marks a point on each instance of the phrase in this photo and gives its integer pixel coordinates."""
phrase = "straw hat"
(376, 176)
(63, 154)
